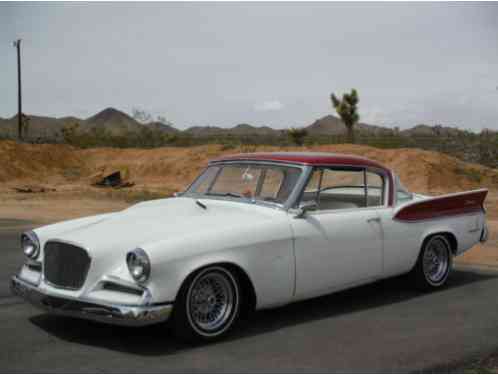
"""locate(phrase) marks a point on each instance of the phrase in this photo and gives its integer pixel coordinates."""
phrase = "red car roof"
(306, 158)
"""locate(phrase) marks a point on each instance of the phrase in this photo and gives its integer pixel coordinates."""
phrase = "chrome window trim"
(307, 170)
(379, 171)
(396, 183)
(282, 206)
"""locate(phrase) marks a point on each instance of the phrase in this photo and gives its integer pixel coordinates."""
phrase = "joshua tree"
(297, 135)
(347, 109)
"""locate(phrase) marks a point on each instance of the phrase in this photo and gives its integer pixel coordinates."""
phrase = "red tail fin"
(445, 205)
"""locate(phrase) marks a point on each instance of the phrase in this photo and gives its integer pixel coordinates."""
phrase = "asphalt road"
(384, 327)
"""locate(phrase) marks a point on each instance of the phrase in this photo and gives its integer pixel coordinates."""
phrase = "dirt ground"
(160, 172)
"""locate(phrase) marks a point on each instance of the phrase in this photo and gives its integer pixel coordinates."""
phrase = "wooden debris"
(113, 180)
(33, 189)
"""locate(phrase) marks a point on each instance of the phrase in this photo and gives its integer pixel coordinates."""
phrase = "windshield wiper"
(229, 194)
(200, 204)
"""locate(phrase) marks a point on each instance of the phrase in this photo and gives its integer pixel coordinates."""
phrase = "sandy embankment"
(161, 171)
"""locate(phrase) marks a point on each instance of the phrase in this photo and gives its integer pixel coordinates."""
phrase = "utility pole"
(17, 44)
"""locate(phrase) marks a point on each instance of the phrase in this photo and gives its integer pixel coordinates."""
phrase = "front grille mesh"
(65, 265)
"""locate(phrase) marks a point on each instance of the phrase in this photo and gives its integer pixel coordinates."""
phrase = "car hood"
(160, 220)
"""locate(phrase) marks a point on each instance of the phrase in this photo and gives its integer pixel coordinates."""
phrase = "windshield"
(246, 181)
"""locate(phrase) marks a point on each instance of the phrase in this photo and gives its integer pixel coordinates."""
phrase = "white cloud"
(269, 105)
(374, 116)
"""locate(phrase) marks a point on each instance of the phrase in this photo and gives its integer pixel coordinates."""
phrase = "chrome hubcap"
(211, 301)
(436, 260)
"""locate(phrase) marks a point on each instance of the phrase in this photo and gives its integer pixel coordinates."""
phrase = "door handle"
(373, 219)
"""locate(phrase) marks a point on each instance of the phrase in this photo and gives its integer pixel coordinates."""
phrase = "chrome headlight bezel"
(30, 245)
(138, 263)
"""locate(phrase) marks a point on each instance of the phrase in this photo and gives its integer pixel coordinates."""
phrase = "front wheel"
(434, 263)
(208, 305)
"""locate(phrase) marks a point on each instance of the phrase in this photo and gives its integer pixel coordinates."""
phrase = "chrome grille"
(65, 265)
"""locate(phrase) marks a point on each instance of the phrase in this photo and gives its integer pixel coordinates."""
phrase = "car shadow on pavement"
(158, 339)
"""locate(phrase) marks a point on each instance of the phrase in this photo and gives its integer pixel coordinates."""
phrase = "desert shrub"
(228, 146)
(471, 173)
(246, 149)
(297, 135)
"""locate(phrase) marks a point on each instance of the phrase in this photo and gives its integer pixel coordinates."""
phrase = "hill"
(114, 122)
(423, 130)
(172, 168)
(237, 130)
(165, 128)
(39, 128)
(50, 129)
(332, 125)
(118, 123)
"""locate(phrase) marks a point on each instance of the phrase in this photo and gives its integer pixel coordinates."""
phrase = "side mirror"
(305, 207)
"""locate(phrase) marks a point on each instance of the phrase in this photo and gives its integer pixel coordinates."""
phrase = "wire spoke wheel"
(212, 302)
(436, 261)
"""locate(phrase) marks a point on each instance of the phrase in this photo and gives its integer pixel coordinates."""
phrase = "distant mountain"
(426, 130)
(114, 122)
(166, 128)
(246, 129)
(117, 123)
(205, 131)
(238, 130)
(38, 128)
(50, 129)
(331, 125)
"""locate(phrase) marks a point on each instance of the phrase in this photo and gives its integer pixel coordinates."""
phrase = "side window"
(375, 189)
(402, 194)
(335, 189)
(341, 189)
(271, 184)
(311, 190)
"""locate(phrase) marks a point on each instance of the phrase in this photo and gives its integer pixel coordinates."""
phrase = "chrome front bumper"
(101, 312)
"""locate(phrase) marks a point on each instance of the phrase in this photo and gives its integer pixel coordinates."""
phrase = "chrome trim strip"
(484, 234)
(285, 206)
(146, 294)
(125, 315)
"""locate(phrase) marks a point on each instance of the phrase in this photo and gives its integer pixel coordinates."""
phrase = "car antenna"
(200, 204)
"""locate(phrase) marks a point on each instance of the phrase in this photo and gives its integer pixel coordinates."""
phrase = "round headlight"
(30, 245)
(138, 265)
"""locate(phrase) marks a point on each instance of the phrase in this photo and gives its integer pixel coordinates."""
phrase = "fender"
(442, 206)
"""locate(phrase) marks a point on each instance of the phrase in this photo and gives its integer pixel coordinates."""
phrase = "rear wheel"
(208, 305)
(434, 263)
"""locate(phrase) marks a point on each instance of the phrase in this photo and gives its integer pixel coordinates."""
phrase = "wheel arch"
(447, 234)
(249, 297)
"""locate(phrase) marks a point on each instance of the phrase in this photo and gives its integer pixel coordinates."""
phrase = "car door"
(340, 243)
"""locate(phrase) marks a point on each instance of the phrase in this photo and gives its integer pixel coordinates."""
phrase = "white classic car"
(253, 231)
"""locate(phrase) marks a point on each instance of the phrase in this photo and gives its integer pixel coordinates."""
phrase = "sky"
(273, 64)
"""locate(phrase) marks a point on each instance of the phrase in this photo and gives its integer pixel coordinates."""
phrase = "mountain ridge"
(119, 123)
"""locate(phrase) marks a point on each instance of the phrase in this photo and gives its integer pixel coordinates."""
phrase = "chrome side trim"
(146, 294)
(484, 234)
(125, 315)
